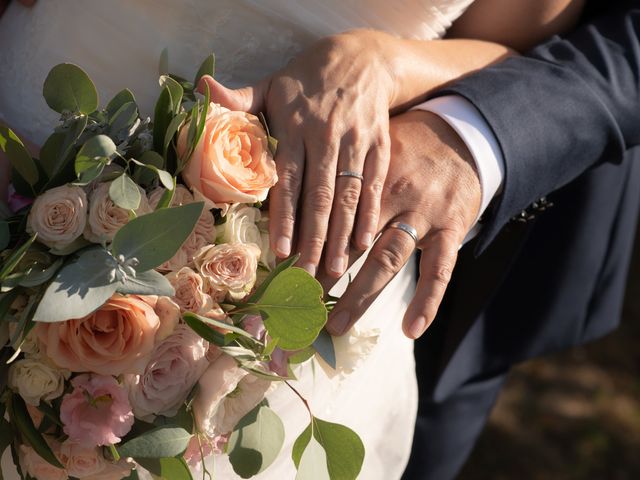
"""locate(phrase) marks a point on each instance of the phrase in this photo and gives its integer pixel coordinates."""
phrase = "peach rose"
(229, 268)
(81, 460)
(59, 216)
(106, 218)
(190, 295)
(175, 367)
(232, 162)
(117, 338)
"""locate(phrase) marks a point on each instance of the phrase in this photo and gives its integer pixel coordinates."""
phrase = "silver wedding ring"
(406, 228)
(348, 173)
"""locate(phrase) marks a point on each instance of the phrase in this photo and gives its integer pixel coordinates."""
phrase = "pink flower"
(229, 267)
(97, 411)
(232, 162)
(37, 467)
(117, 338)
(201, 446)
(254, 325)
(175, 367)
(81, 460)
(190, 295)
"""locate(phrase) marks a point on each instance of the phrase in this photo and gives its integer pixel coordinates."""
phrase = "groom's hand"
(433, 186)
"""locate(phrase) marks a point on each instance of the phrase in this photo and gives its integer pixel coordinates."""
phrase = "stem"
(304, 400)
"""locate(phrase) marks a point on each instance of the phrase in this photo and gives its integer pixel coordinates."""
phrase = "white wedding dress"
(118, 42)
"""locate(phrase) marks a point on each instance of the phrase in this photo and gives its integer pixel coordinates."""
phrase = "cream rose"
(240, 225)
(190, 291)
(351, 350)
(80, 460)
(117, 338)
(105, 217)
(226, 393)
(232, 162)
(58, 216)
(173, 370)
(230, 267)
(35, 380)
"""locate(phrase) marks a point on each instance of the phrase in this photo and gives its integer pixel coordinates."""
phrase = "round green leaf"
(161, 442)
(95, 150)
(120, 98)
(343, 447)
(294, 310)
(69, 88)
(125, 193)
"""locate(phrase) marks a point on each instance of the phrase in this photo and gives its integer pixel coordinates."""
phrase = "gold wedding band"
(348, 173)
(406, 228)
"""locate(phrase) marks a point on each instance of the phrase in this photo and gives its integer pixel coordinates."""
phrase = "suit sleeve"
(563, 108)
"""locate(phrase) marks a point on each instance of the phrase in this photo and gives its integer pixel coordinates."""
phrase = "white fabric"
(476, 133)
(118, 43)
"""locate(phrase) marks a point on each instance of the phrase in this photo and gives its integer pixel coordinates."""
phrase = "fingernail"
(311, 268)
(337, 265)
(418, 326)
(367, 239)
(339, 322)
(283, 246)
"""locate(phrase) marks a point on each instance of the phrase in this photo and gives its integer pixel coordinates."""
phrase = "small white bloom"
(35, 380)
(240, 225)
(351, 350)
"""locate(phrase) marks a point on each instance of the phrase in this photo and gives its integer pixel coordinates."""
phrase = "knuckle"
(390, 258)
(350, 195)
(289, 177)
(320, 198)
(285, 218)
(374, 188)
(441, 273)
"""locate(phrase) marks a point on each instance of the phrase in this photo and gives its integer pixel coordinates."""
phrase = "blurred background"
(573, 416)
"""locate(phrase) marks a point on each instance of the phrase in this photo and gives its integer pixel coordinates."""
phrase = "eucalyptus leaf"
(146, 283)
(90, 173)
(78, 244)
(156, 237)
(161, 442)
(125, 193)
(208, 67)
(193, 318)
(123, 118)
(79, 288)
(35, 277)
(325, 348)
(295, 312)
(166, 179)
(172, 129)
(174, 469)
(281, 267)
(22, 420)
(56, 153)
(176, 92)
(68, 88)
(96, 149)
(163, 114)
(18, 156)
(5, 235)
(256, 441)
(204, 330)
(313, 463)
(121, 98)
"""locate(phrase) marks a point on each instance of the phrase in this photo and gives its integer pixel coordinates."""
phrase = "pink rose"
(201, 446)
(232, 162)
(229, 268)
(175, 367)
(81, 460)
(58, 216)
(226, 393)
(117, 338)
(105, 217)
(37, 467)
(97, 411)
(190, 291)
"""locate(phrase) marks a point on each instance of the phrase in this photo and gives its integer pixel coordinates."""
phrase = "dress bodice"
(118, 42)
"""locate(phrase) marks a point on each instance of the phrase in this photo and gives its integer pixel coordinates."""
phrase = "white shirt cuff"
(476, 133)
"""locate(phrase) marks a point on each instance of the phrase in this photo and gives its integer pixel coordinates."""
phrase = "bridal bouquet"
(143, 316)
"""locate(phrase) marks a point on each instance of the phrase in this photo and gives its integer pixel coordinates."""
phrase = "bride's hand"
(329, 110)
(433, 186)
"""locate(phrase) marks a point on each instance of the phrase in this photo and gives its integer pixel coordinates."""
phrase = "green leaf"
(120, 98)
(18, 155)
(69, 88)
(57, 151)
(194, 320)
(167, 196)
(295, 312)
(155, 238)
(163, 114)
(40, 274)
(79, 288)
(18, 254)
(172, 129)
(125, 193)
(208, 67)
(204, 330)
(313, 463)
(166, 179)
(161, 442)
(146, 283)
(5, 235)
(175, 469)
(21, 419)
(97, 149)
(289, 262)
(342, 447)
(256, 441)
(302, 356)
(176, 92)
(90, 174)
(123, 118)
(325, 348)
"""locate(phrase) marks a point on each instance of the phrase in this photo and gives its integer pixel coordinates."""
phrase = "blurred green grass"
(571, 416)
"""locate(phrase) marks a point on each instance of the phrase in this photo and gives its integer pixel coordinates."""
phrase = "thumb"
(248, 99)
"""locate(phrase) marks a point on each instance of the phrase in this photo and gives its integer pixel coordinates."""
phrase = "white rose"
(35, 380)
(175, 366)
(240, 225)
(351, 350)
(105, 217)
(190, 295)
(81, 461)
(267, 256)
(230, 267)
(58, 216)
